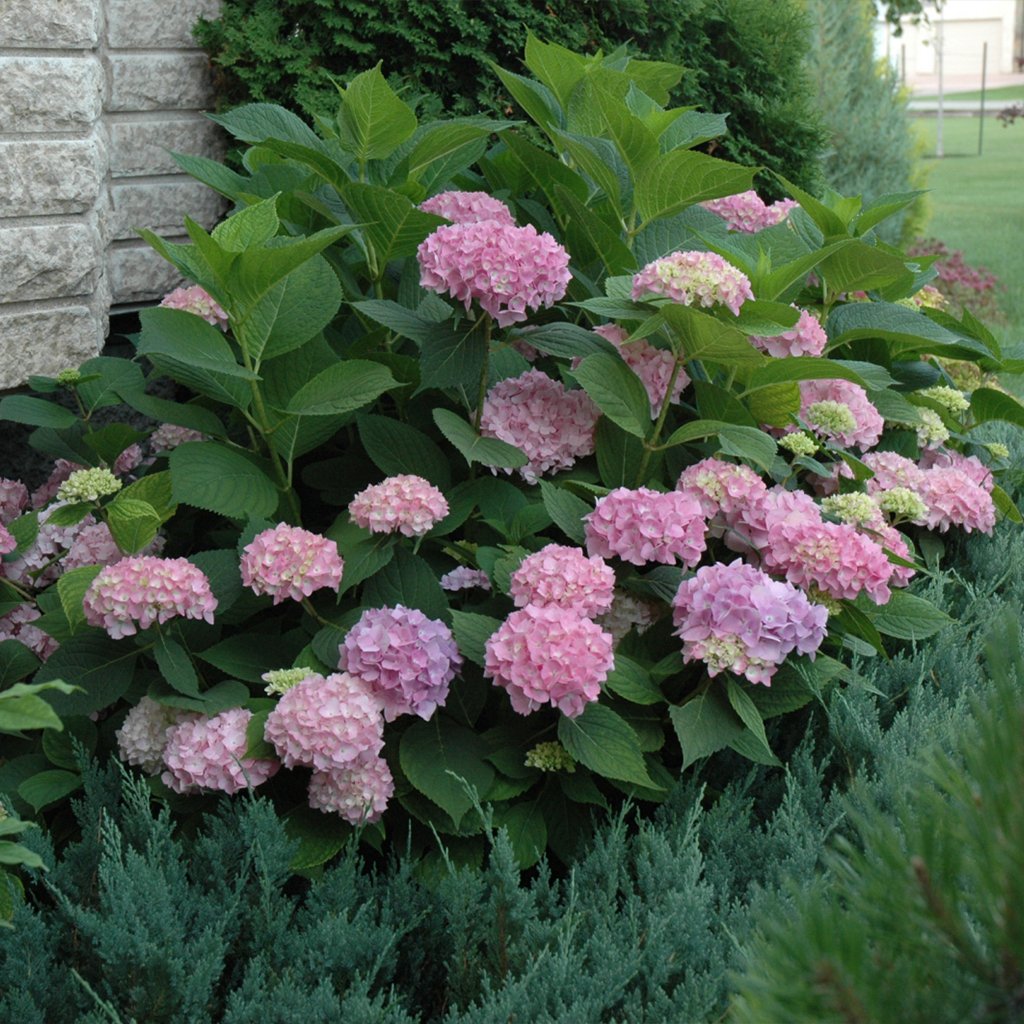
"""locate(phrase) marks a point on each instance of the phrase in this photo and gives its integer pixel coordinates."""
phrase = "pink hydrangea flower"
(627, 612)
(129, 459)
(7, 541)
(563, 576)
(553, 427)
(891, 470)
(405, 659)
(807, 338)
(13, 500)
(199, 302)
(325, 723)
(209, 753)
(46, 492)
(642, 526)
(954, 499)
(359, 792)
(947, 458)
(719, 486)
(750, 525)
(39, 564)
(652, 365)
(736, 618)
(17, 625)
(891, 538)
(168, 436)
(468, 208)
(405, 504)
(290, 563)
(834, 557)
(868, 422)
(464, 578)
(694, 278)
(506, 269)
(143, 735)
(137, 591)
(549, 655)
(94, 544)
(748, 212)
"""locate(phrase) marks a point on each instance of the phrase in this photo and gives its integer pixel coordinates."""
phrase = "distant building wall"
(92, 95)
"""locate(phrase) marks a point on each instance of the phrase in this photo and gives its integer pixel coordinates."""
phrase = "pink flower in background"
(13, 500)
(628, 612)
(198, 301)
(748, 212)
(694, 278)
(325, 723)
(168, 436)
(549, 655)
(406, 660)
(17, 625)
(719, 486)
(137, 591)
(736, 618)
(868, 423)
(971, 465)
(143, 735)
(359, 792)
(405, 504)
(465, 578)
(289, 562)
(467, 208)
(47, 491)
(891, 470)
(94, 545)
(955, 499)
(7, 541)
(563, 576)
(129, 459)
(39, 563)
(553, 427)
(750, 525)
(891, 538)
(642, 526)
(652, 365)
(506, 269)
(209, 753)
(807, 338)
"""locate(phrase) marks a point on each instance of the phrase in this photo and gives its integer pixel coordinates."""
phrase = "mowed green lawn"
(978, 202)
(1003, 96)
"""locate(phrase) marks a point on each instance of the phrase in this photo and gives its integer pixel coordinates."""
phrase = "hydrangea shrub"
(490, 477)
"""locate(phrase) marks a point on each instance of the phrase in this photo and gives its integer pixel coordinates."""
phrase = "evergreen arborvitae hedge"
(743, 58)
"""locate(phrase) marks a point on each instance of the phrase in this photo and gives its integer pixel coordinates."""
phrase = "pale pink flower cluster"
(751, 525)
(168, 436)
(209, 753)
(891, 538)
(464, 577)
(7, 541)
(406, 660)
(748, 212)
(94, 545)
(467, 207)
(807, 338)
(721, 487)
(551, 426)
(137, 591)
(17, 625)
(694, 278)
(129, 459)
(549, 655)
(971, 465)
(563, 576)
(627, 612)
(507, 269)
(359, 792)
(198, 301)
(405, 504)
(736, 618)
(325, 723)
(47, 491)
(143, 735)
(642, 526)
(290, 563)
(38, 564)
(13, 499)
(868, 422)
(652, 365)
(892, 470)
(955, 499)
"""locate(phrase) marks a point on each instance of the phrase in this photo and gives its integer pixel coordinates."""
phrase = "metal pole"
(939, 46)
(903, 65)
(981, 120)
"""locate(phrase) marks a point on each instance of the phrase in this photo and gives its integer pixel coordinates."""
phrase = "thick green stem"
(484, 372)
(651, 444)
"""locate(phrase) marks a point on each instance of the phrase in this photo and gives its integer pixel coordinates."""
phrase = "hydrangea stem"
(651, 444)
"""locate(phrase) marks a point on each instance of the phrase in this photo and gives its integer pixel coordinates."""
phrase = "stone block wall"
(93, 94)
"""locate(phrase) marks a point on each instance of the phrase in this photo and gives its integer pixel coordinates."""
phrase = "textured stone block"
(138, 274)
(48, 262)
(39, 178)
(132, 23)
(49, 94)
(145, 147)
(47, 341)
(162, 207)
(160, 82)
(50, 24)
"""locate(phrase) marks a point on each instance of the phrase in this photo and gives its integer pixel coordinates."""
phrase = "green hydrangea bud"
(829, 603)
(280, 680)
(857, 508)
(903, 503)
(831, 417)
(68, 378)
(550, 757)
(997, 450)
(799, 443)
(948, 398)
(931, 431)
(88, 485)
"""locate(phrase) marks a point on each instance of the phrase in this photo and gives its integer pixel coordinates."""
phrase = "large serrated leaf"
(396, 447)
(373, 121)
(342, 388)
(682, 178)
(488, 451)
(71, 588)
(606, 743)
(211, 476)
(617, 392)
